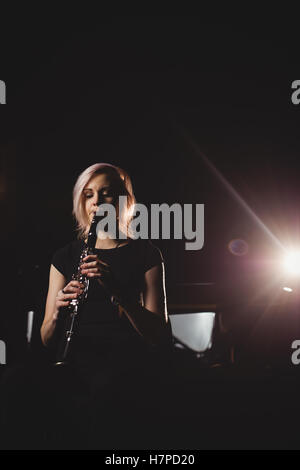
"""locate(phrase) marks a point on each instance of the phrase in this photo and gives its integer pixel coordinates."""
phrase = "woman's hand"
(93, 267)
(65, 295)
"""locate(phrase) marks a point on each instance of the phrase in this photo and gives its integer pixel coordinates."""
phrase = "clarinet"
(74, 308)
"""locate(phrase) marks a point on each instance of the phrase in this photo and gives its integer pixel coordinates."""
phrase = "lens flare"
(238, 247)
(292, 264)
(287, 289)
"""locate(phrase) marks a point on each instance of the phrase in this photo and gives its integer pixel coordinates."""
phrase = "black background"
(144, 92)
(152, 94)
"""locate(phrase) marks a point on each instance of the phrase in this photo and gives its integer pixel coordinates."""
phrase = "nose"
(98, 199)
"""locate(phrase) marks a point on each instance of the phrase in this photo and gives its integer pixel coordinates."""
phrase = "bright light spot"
(287, 289)
(292, 264)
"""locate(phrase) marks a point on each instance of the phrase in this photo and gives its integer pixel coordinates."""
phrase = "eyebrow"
(91, 189)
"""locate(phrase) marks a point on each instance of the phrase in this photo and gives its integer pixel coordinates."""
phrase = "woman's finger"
(91, 270)
(90, 258)
(95, 258)
(74, 284)
(62, 303)
(104, 264)
(91, 264)
(68, 296)
(71, 290)
(94, 267)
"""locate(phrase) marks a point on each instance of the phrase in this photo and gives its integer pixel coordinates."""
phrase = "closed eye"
(101, 194)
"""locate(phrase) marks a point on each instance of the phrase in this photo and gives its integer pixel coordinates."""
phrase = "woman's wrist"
(48, 330)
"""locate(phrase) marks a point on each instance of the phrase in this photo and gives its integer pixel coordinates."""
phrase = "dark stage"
(197, 113)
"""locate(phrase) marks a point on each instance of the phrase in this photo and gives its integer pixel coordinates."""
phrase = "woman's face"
(99, 190)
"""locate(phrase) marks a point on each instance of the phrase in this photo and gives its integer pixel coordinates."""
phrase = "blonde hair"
(125, 190)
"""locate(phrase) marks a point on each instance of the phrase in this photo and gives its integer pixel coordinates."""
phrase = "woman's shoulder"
(65, 257)
(72, 247)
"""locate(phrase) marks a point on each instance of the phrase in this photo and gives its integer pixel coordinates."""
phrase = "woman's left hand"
(93, 267)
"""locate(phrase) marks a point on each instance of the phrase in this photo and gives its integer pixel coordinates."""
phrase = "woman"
(115, 343)
(128, 269)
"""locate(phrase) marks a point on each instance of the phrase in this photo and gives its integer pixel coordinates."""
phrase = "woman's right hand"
(64, 296)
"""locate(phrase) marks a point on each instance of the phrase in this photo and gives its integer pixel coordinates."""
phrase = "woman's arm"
(56, 299)
(151, 320)
(56, 283)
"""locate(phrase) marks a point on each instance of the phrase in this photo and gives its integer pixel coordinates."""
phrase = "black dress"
(102, 334)
(114, 367)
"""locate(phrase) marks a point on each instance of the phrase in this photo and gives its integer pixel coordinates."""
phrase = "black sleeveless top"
(101, 330)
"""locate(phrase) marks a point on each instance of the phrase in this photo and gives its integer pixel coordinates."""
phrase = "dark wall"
(150, 94)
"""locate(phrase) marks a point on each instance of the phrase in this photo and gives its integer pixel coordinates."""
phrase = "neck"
(106, 243)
